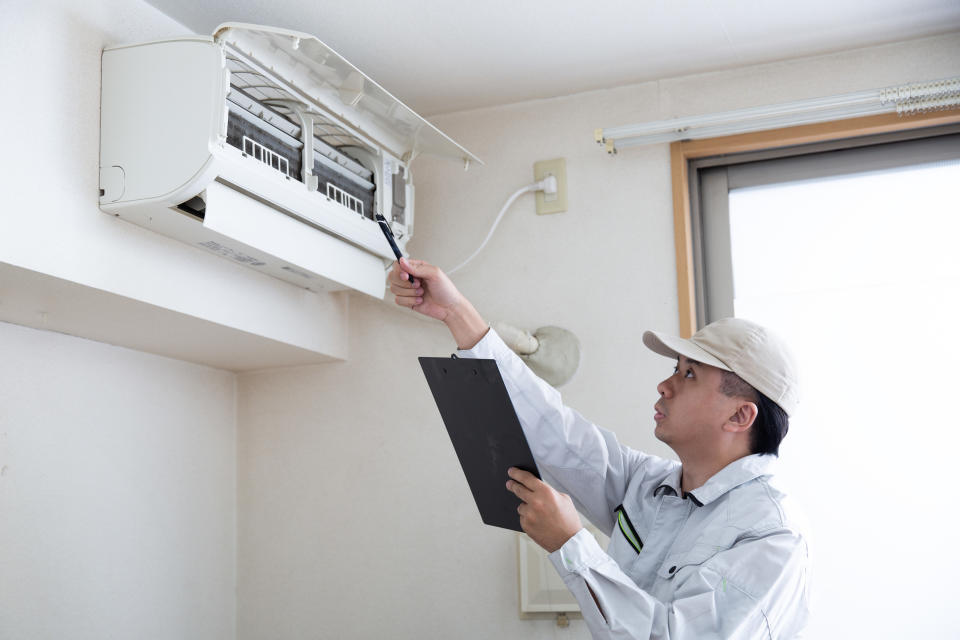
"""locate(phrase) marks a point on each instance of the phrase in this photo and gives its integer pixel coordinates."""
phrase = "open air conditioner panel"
(263, 123)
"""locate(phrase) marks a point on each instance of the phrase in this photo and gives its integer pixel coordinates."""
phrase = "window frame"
(688, 156)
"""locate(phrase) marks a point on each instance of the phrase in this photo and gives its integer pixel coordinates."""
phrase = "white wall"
(117, 468)
(117, 492)
(354, 518)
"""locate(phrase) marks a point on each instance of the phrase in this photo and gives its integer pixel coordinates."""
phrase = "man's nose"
(664, 388)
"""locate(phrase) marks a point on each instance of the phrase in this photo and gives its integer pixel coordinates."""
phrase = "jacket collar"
(731, 476)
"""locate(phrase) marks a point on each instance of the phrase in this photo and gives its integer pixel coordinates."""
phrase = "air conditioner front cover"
(324, 79)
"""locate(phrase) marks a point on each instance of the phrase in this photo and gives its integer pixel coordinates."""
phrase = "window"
(850, 251)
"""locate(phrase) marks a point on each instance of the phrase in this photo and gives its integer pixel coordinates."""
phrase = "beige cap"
(733, 344)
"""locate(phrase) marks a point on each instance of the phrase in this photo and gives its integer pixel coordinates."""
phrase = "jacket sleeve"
(738, 593)
(573, 454)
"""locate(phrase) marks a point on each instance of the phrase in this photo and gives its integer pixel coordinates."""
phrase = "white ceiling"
(441, 56)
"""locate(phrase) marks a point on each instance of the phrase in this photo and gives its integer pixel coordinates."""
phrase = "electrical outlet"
(557, 202)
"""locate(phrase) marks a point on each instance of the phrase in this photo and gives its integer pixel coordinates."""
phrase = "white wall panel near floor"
(117, 492)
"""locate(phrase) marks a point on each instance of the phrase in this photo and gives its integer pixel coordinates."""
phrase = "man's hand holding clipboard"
(546, 515)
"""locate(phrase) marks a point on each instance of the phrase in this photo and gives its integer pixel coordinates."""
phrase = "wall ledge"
(42, 301)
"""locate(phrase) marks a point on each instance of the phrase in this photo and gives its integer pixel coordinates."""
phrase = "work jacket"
(726, 560)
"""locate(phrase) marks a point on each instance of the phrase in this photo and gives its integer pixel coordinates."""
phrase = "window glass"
(861, 274)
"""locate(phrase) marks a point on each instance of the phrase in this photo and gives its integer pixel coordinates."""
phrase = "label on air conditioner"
(232, 254)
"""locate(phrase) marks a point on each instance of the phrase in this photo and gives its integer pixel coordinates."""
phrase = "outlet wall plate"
(556, 203)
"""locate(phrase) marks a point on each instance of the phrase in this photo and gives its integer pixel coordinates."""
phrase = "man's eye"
(688, 374)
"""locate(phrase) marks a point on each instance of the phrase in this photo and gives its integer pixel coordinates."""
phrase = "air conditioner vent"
(195, 207)
(270, 158)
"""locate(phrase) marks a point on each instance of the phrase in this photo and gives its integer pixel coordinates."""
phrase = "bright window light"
(861, 275)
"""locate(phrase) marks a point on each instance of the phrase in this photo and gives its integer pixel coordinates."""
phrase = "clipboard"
(485, 432)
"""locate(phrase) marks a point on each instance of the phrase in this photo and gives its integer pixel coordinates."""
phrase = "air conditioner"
(263, 146)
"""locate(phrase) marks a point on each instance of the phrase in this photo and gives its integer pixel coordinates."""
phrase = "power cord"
(548, 185)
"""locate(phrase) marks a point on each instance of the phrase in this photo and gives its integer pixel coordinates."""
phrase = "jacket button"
(672, 569)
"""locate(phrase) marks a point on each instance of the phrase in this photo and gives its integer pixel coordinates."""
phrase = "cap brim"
(673, 347)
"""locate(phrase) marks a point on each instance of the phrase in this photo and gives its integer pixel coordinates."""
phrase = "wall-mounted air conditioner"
(263, 146)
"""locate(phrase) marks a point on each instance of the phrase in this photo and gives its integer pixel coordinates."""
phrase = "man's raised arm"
(427, 290)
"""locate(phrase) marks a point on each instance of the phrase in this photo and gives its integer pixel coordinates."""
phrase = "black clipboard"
(484, 430)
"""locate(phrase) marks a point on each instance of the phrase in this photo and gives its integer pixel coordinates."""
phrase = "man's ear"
(742, 418)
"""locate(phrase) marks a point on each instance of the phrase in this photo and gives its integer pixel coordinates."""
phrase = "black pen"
(393, 243)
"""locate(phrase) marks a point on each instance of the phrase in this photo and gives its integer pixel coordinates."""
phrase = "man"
(704, 548)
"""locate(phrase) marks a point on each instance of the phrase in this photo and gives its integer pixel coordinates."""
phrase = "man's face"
(691, 408)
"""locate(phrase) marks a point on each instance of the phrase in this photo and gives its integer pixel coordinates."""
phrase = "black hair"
(770, 426)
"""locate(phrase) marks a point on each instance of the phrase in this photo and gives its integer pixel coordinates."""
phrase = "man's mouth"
(659, 414)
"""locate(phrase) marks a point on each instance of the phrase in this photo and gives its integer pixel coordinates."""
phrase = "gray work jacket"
(727, 560)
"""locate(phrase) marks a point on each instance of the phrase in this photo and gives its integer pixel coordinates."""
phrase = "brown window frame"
(683, 152)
